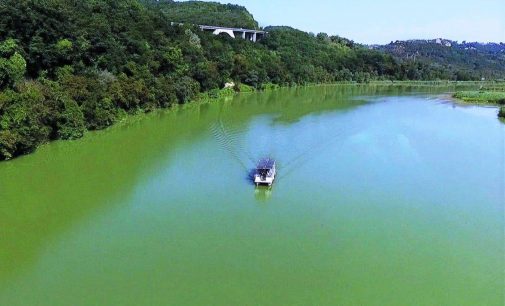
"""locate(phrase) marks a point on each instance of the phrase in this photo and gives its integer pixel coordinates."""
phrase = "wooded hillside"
(67, 66)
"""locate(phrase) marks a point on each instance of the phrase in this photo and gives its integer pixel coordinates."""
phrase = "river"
(384, 196)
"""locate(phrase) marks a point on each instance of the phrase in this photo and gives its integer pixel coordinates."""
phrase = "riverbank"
(9, 149)
(485, 97)
(490, 94)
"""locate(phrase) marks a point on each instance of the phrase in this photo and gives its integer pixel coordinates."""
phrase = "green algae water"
(383, 197)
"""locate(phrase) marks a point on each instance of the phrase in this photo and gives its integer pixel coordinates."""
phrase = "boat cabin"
(265, 172)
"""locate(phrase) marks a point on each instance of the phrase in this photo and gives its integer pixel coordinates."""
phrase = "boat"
(265, 172)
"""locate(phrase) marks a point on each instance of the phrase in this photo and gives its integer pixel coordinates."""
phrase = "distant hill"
(421, 59)
(467, 59)
(207, 13)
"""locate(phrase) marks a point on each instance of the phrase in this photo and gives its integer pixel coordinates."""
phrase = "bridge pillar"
(243, 35)
(254, 38)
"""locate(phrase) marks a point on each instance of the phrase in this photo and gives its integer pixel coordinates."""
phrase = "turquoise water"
(383, 197)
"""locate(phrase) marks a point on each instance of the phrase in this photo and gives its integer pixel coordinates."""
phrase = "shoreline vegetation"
(68, 66)
(216, 95)
(481, 97)
(490, 94)
(501, 112)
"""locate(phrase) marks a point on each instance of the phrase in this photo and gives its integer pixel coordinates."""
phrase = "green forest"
(461, 61)
(68, 66)
(206, 13)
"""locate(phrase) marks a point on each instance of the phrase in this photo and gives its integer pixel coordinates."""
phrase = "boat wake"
(232, 141)
(229, 141)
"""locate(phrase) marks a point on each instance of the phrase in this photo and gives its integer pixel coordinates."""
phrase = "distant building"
(443, 42)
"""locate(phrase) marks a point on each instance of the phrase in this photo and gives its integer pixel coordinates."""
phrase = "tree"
(12, 64)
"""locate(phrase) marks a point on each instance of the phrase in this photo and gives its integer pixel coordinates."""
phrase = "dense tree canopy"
(206, 13)
(67, 66)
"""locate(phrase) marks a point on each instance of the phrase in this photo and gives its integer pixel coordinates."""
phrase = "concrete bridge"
(252, 35)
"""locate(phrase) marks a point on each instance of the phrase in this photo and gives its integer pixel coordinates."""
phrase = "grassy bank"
(482, 96)
(492, 94)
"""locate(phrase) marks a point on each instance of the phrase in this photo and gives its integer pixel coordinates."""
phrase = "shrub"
(24, 120)
(12, 70)
(269, 86)
(245, 88)
(186, 89)
(99, 113)
(8, 140)
(219, 93)
(70, 122)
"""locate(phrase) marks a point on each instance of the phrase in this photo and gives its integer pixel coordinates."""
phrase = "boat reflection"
(263, 193)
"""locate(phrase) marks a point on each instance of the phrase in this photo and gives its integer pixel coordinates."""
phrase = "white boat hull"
(268, 180)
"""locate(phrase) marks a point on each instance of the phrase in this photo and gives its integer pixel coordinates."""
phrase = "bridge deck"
(207, 27)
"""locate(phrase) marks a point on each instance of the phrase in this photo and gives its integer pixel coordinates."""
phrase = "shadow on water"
(287, 107)
(283, 107)
(250, 176)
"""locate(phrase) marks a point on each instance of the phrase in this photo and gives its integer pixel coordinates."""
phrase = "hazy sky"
(381, 21)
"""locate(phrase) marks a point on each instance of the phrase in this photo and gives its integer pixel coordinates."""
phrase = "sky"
(383, 21)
